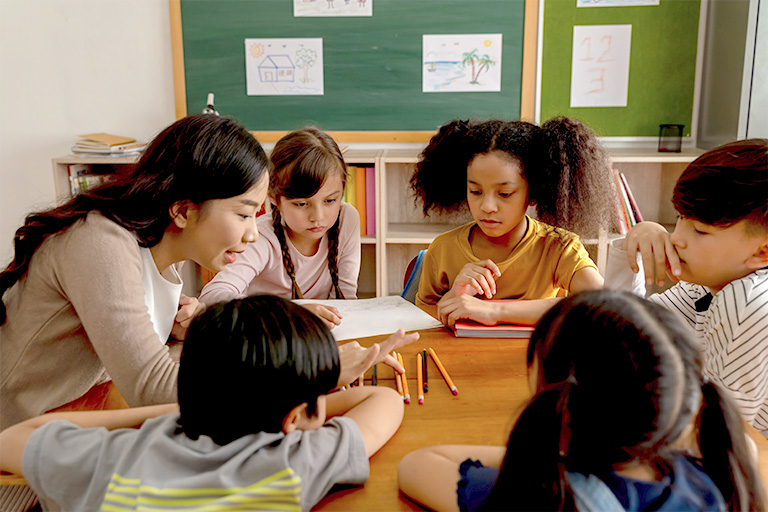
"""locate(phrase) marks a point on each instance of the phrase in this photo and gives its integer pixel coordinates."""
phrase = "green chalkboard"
(662, 66)
(372, 65)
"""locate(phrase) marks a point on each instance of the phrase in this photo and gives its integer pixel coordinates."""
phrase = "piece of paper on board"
(284, 67)
(325, 8)
(614, 3)
(600, 65)
(370, 317)
(461, 63)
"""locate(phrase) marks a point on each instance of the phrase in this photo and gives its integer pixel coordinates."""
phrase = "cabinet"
(401, 227)
(97, 165)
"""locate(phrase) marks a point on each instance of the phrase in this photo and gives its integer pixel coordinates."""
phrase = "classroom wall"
(73, 67)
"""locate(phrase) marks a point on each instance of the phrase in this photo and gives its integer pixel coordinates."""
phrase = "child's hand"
(355, 360)
(189, 308)
(450, 309)
(477, 278)
(656, 249)
(328, 314)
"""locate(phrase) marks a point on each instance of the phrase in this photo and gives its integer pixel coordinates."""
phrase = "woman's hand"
(656, 248)
(450, 309)
(477, 278)
(328, 314)
(355, 359)
(189, 308)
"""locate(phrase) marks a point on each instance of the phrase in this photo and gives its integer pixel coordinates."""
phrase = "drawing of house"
(276, 68)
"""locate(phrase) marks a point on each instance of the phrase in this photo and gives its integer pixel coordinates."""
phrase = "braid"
(277, 225)
(333, 256)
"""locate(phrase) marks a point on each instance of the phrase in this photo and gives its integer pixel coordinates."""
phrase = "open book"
(471, 329)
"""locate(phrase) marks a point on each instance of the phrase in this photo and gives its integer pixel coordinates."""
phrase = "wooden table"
(492, 379)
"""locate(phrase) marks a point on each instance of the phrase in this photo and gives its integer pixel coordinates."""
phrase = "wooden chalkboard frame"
(526, 100)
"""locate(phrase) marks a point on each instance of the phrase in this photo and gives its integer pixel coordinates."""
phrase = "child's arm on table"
(430, 475)
(377, 410)
(655, 246)
(328, 314)
(526, 312)
(14, 439)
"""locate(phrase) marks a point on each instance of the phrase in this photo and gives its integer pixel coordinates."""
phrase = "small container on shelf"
(670, 137)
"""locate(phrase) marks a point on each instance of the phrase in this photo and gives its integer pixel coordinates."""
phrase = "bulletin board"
(662, 65)
(372, 65)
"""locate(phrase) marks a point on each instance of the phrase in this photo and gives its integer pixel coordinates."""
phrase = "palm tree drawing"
(478, 63)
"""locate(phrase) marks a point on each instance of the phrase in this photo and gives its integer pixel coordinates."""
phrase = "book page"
(370, 317)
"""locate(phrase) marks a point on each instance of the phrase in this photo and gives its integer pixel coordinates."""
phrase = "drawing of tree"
(479, 64)
(305, 59)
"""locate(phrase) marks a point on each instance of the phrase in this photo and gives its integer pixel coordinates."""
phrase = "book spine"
(351, 190)
(631, 198)
(370, 201)
(623, 220)
(625, 199)
(360, 195)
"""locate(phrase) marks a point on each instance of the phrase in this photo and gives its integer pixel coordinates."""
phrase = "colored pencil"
(444, 372)
(374, 379)
(424, 357)
(419, 377)
(398, 383)
(406, 394)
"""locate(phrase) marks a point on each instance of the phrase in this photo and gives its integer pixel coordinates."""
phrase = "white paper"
(600, 65)
(614, 3)
(278, 67)
(370, 317)
(461, 63)
(322, 8)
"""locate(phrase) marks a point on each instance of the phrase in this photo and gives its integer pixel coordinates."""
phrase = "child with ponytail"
(621, 419)
(497, 169)
(309, 245)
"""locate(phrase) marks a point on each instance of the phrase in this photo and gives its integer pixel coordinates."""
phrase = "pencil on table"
(424, 357)
(406, 394)
(398, 383)
(374, 379)
(419, 377)
(443, 371)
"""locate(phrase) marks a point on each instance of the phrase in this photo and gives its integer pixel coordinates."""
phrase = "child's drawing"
(614, 3)
(321, 8)
(276, 67)
(461, 63)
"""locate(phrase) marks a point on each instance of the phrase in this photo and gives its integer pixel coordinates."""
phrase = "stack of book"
(107, 144)
(627, 212)
(360, 192)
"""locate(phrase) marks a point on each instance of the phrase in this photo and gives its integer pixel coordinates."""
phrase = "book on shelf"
(350, 191)
(107, 144)
(82, 179)
(360, 198)
(470, 329)
(370, 201)
(631, 198)
(622, 221)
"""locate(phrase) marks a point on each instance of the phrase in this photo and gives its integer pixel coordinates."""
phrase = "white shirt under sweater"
(260, 269)
(733, 330)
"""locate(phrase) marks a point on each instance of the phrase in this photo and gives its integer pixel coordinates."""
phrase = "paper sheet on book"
(370, 317)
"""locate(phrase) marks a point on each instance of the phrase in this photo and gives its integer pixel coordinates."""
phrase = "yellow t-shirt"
(543, 263)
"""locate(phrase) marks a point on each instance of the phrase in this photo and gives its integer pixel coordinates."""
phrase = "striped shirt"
(733, 330)
(734, 335)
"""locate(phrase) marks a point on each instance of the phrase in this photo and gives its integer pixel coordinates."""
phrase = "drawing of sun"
(488, 43)
(257, 50)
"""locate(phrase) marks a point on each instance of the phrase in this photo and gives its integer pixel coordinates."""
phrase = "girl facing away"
(93, 292)
(621, 419)
(498, 169)
(309, 245)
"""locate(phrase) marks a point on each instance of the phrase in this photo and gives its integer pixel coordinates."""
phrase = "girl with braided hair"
(498, 170)
(621, 419)
(309, 245)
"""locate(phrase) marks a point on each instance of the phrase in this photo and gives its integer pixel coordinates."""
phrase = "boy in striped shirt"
(718, 254)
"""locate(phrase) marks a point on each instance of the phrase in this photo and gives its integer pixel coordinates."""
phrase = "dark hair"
(726, 185)
(197, 158)
(619, 379)
(248, 362)
(567, 171)
(303, 160)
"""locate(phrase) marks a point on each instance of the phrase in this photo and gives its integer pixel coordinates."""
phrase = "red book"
(370, 201)
(631, 198)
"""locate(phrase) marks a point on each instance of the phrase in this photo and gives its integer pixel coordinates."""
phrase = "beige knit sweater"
(77, 319)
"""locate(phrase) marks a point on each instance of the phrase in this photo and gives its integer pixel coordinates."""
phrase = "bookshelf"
(401, 227)
(100, 165)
